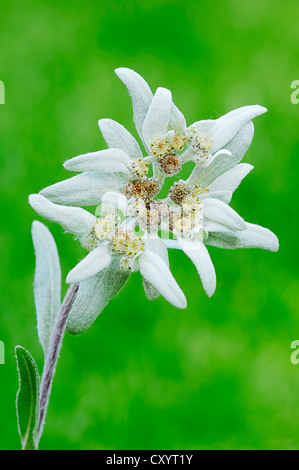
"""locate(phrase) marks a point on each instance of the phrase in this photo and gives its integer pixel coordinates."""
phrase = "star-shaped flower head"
(114, 246)
(169, 143)
(136, 227)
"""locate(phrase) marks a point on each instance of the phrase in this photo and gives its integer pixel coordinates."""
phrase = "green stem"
(53, 355)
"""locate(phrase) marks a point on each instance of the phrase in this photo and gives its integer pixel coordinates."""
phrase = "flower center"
(179, 191)
(140, 167)
(145, 189)
(105, 226)
(178, 142)
(171, 164)
(160, 147)
(191, 132)
(126, 242)
(194, 196)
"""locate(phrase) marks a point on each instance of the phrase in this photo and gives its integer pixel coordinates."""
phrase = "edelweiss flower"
(168, 141)
(108, 240)
(132, 232)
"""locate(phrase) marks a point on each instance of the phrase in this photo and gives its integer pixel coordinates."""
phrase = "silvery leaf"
(140, 93)
(177, 120)
(157, 118)
(237, 147)
(47, 282)
(93, 296)
(157, 246)
(27, 403)
(97, 260)
(254, 236)
(157, 273)
(116, 136)
(221, 213)
(231, 179)
(73, 219)
(84, 189)
(199, 255)
(106, 161)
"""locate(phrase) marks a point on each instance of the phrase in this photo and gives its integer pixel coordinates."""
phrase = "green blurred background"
(147, 376)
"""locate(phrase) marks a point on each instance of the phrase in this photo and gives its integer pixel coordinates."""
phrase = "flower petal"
(205, 175)
(239, 145)
(237, 148)
(107, 161)
(82, 190)
(177, 120)
(254, 236)
(114, 201)
(116, 136)
(157, 118)
(157, 246)
(225, 159)
(93, 296)
(73, 219)
(222, 195)
(223, 239)
(225, 128)
(232, 178)
(93, 263)
(199, 255)
(157, 273)
(150, 291)
(140, 93)
(211, 226)
(220, 212)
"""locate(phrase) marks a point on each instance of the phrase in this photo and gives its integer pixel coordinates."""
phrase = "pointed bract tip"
(69, 279)
(210, 293)
(36, 224)
(275, 243)
(163, 90)
(263, 109)
(33, 198)
(120, 70)
(183, 304)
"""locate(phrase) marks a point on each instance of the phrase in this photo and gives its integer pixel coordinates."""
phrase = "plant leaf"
(27, 402)
(93, 296)
(47, 282)
(158, 247)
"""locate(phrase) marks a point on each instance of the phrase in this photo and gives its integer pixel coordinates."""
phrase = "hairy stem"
(53, 355)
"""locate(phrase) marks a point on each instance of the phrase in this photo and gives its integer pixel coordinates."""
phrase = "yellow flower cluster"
(161, 146)
(105, 226)
(126, 242)
(140, 167)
